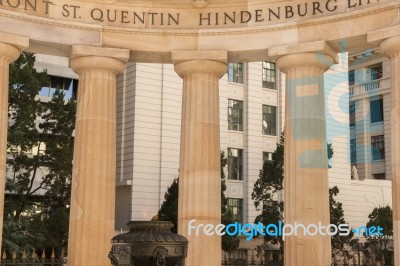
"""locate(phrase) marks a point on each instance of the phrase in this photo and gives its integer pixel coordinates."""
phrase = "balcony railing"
(369, 87)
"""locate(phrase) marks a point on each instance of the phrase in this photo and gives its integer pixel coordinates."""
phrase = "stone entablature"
(189, 15)
(152, 29)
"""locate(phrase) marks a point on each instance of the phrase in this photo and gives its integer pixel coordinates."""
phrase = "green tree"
(378, 245)
(39, 161)
(337, 218)
(229, 243)
(169, 208)
(265, 192)
(270, 183)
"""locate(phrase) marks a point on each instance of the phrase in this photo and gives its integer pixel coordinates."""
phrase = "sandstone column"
(391, 48)
(92, 212)
(199, 171)
(306, 172)
(10, 49)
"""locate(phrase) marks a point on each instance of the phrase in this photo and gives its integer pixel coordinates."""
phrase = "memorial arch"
(200, 38)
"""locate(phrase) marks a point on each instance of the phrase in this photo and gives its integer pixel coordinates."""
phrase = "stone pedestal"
(91, 226)
(199, 171)
(306, 163)
(10, 49)
(391, 48)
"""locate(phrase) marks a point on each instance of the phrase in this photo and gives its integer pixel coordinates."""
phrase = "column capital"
(201, 66)
(317, 53)
(390, 46)
(84, 57)
(318, 60)
(11, 46)
(210, 62)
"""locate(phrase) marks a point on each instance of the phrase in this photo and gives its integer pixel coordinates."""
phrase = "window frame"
(239, 205)
(236, 73)
(268, 73)
(376, 71)
(235, 106)
(266, 120)
(353, 151)
(378, 145)
(266, 155)
(376, 117)
(352, 113)
(235, 164)
(352, 77)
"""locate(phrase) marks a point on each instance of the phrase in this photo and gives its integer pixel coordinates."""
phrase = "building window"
(235, 207)
(235, 164)
(235, 115)
(378, 147)
(67, 85)
(353, 151)
(352, 79)
(267, 156)
(376, 72)
(269, 120)
(376, 110)
(268, 75)
(352, 114)
(235, 73)
(381, 176)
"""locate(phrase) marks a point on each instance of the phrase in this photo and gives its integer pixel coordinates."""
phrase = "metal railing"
(32, 259)
(366, 264)
(243, 262)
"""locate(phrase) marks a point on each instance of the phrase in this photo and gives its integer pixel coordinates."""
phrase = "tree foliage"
(265, 192)
(39, 161)
(379, 245)
(337, 218)
(266, 196)
(169, 208)
(229, 243)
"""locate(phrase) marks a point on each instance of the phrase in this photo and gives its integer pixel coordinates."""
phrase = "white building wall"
(149, 158)
(253, 137)
(359, 197)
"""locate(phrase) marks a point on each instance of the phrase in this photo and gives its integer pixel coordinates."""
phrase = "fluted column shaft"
(199, 171)
(305, 162)
(391, 48)
(92, 212)
(8, 54)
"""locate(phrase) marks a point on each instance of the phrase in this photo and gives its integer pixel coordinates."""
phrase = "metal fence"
(32, 259)
(244, 262)
(366, 264)
(250, 263)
